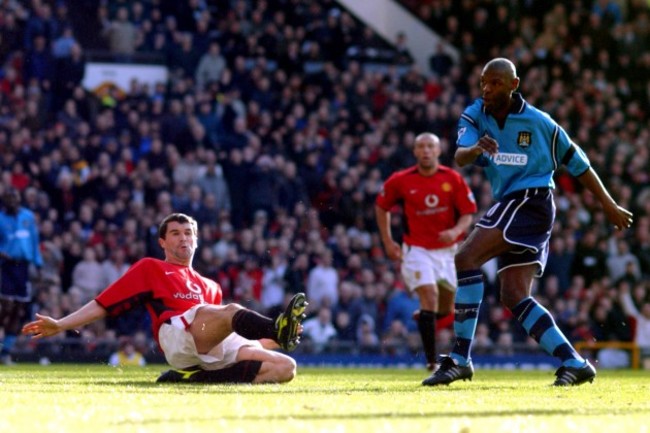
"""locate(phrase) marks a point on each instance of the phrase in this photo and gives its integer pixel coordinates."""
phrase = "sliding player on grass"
(203, 340)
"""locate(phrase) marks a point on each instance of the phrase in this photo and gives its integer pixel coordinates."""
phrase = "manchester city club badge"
(524, 139)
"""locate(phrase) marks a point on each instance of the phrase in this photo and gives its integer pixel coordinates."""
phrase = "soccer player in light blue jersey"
(19, 249)
(520, 147)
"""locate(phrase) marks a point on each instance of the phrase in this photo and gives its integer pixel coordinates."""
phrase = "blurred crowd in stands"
(276, 130)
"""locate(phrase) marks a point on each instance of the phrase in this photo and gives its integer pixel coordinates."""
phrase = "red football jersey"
(431, 204)
(165, 289)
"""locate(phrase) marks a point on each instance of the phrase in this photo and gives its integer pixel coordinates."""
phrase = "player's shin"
(468, 302)
(539, 324)
(427, 328)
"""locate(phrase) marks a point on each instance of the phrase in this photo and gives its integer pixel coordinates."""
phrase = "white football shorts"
(180, 351)
(421, 266)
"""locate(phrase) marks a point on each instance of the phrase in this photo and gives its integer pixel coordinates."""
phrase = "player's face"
(427, 151)
(497, 87)
(179, 243)
(11, 201)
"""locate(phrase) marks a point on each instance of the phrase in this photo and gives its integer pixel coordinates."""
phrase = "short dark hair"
(11, 195)
(179, 218)
(11, 192)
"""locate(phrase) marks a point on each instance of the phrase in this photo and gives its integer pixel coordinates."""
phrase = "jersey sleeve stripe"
(569, 154)
(469, 119)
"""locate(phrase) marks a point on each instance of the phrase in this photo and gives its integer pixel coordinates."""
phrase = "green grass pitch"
(96, 398)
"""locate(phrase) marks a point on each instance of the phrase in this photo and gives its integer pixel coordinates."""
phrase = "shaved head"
(502, 66)
(428, 136)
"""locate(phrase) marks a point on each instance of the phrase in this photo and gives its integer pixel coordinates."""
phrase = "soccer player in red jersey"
(203, 340)
(438, 209)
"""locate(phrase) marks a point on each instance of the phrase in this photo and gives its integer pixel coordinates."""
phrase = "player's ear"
(515, 84)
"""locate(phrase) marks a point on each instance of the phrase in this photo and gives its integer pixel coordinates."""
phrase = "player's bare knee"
(510, 299)
(286, 368)
(463, 261)
(231, 309)
(446, 298)
(428, 296)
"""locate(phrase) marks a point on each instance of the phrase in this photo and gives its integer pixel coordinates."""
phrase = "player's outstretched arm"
(467, 155)
(46, 326)
(620, 217)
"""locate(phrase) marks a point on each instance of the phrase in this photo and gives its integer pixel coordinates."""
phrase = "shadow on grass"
(358, 389)
(383, 415)
(145, 385)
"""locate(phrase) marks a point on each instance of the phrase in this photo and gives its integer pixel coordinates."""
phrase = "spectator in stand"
(400, 306)
(211, 180)
(273, 289)
(606, 318)
(40, 23)
(640, 313)
(184, 57)
(290, 188)
(236, 170)
(482, 342)
(319, 330)
(367, 338)
(641, 245)
(69, 73)
(403, 54)
(297, 274)
(609, 11)
(88, 275)
(190, 201)
(210, 68)
(62, 46)
(622, 262)
(440, 62)
(589, 260)
(114, 266)
(121, 34)
(394, 338)
(370, 300)
(52, 263)
(262, 193)
(127, 355)
(39, 64)
(12, 40)
(322, 282)
(560, 258)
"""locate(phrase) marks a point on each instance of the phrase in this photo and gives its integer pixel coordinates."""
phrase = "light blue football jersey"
(531, 147)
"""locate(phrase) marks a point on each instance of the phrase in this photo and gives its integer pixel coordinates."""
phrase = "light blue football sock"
(539, 324)
(467, 304)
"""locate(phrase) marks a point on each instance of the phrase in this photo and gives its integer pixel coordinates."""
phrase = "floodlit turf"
(93, 398)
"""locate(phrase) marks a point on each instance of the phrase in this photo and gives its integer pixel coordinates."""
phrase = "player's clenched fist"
(488, 144)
